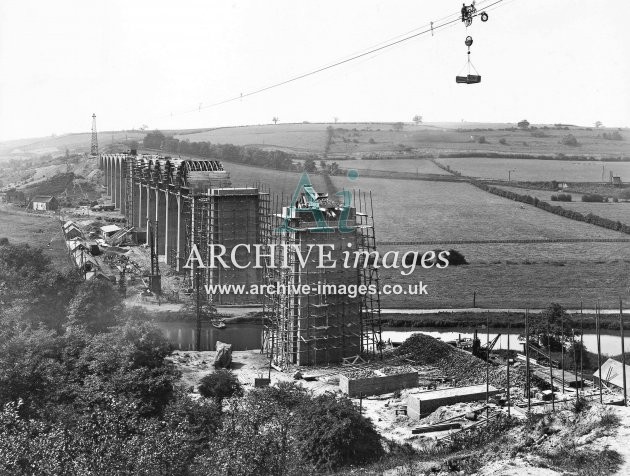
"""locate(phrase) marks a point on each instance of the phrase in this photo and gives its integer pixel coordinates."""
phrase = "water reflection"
(183, 335)
(610, 343)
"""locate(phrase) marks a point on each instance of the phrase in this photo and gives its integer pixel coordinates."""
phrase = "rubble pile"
(458, 410)
(462, 367)
(378, 372)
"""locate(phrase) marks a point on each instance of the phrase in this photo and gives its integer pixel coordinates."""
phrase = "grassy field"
(38, 230)
(537, 170)
(356, 139)
(424, 210)
(79, 142)
(551, 254)
(514, 286)
(411, 166)
(291, 137)
(281, 182)
(505, 274)
(614, 211)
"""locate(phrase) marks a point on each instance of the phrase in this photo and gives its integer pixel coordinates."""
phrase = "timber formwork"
(322, 326)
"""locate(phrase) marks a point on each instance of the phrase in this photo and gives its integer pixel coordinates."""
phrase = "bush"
(502, 141)
(482, 140)
(333, 433)
(561, 197)
(570, 140)
(456, 258)
(612, 136)
(593, 197)
(372, 141)
(219, 385)
(4, 241)
(286, 430)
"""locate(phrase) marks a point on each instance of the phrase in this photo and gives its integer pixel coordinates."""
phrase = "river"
(248, 336)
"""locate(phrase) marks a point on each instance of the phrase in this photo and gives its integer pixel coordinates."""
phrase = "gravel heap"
(372, 372)
(459, 365)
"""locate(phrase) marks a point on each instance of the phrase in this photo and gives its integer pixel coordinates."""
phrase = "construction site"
(157, 209)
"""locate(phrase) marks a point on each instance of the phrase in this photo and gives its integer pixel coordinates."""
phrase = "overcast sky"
(148, 62)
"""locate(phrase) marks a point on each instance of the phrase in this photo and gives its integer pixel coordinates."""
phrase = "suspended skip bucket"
(470, 79)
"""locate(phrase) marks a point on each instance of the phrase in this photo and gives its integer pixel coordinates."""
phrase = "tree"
(335, 119)
(417, 119)
(570, 140)
(275, 120)
(153, 140)
(310, 165)
(220, 384)
(598, 124)
(546, 327)
(577, 355)
(524, 124)
(286, 430)
(95, 306)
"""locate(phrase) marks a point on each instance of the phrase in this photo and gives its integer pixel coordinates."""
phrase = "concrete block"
(377, 385)
(421, 404)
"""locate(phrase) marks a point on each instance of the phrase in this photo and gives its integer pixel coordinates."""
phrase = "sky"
(163, 64)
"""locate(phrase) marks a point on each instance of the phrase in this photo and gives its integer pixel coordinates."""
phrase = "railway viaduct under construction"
(176, 204)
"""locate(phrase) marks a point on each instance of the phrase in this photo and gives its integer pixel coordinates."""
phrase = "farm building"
(44, 203)
(612, 372)
(616, 181)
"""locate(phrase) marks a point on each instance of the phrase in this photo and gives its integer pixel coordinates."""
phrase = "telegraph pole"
(623, 352)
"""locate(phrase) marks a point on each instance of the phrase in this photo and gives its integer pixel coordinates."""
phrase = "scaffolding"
(371, 327)
(322, 326)
(230, 217)
(130, 171)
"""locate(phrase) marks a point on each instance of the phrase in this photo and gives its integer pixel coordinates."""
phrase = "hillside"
(353, 140)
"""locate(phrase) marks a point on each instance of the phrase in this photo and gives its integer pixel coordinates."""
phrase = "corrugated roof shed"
(110, 228)
(42, 198)
(612, 372)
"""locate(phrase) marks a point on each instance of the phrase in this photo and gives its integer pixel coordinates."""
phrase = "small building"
(44, 203)
(71, 231)
(612, 372)
(616, 181)
(109, 230)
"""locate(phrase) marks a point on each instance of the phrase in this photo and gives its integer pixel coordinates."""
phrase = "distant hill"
(359, 140)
